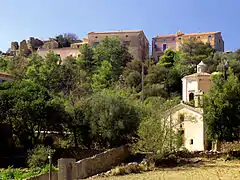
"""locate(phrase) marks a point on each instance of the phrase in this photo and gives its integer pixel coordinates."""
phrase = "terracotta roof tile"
(198, 74)
(201, 33)
(166, 36)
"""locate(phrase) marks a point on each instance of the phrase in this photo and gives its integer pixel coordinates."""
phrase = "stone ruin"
(34, 43)
(50, 44)
(14, 46)
(26, 47)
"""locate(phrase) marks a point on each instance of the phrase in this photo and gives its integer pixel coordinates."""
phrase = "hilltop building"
(173, 41)
(65, 52)
(5, 77)
(135, 40)
(188, 115)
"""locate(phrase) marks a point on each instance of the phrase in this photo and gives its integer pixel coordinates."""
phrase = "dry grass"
(207, 170)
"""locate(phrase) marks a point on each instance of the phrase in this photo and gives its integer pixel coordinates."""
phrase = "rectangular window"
(95, 44)
(155, 46)
(164, 47)
(191, 141)
(126, 43)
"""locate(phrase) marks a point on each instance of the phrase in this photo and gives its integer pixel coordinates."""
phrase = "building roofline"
(183, 105)
(118, 31)
(201, 74)
(5, 73)
(64, 48)
(165, 36)
(190, 34)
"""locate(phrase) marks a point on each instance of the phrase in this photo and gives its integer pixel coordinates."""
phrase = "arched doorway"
(191, 96)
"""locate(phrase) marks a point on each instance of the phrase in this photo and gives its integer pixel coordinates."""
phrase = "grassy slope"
(209, 170)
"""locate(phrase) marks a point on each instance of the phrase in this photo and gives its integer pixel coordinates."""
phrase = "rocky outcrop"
(14, 46)
(34, 43)
(24, 48)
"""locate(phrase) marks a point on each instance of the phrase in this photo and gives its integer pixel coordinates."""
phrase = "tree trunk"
(75, 137)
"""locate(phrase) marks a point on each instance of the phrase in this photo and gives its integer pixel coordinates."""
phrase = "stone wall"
(230, 146)
(69, 169)
(44, 177)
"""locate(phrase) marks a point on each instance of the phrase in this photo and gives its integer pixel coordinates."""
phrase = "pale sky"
(21, 19)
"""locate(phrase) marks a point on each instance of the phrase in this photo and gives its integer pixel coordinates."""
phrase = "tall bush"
(38, 157)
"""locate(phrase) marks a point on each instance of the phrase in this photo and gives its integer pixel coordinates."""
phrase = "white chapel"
(188, 115)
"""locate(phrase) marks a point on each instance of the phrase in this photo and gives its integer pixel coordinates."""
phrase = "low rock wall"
(230, 146)
(44, 177)
(69, 169)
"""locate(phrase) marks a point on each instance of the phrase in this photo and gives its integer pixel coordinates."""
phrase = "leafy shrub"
(38, 157)
(133, 79)
(114, 121)
(155, 132)
(11, 173)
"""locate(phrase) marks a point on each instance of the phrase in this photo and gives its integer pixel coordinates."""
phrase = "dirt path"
(207, 170)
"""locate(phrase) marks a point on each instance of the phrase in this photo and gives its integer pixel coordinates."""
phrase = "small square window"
(126, 35)
(191, 141)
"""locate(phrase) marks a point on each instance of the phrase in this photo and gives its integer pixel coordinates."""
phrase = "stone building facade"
(135, 40)
(174, 41)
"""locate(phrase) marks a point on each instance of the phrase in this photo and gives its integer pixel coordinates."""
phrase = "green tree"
(65, 40)
(4, 64)
(193, 52)
(87, 61)
(76, 122)
(114, 121)
(111, 50)
(133, 80)
(28, 108)
(103, 76)
(155, 132)
(168, 58)
(221, 108)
